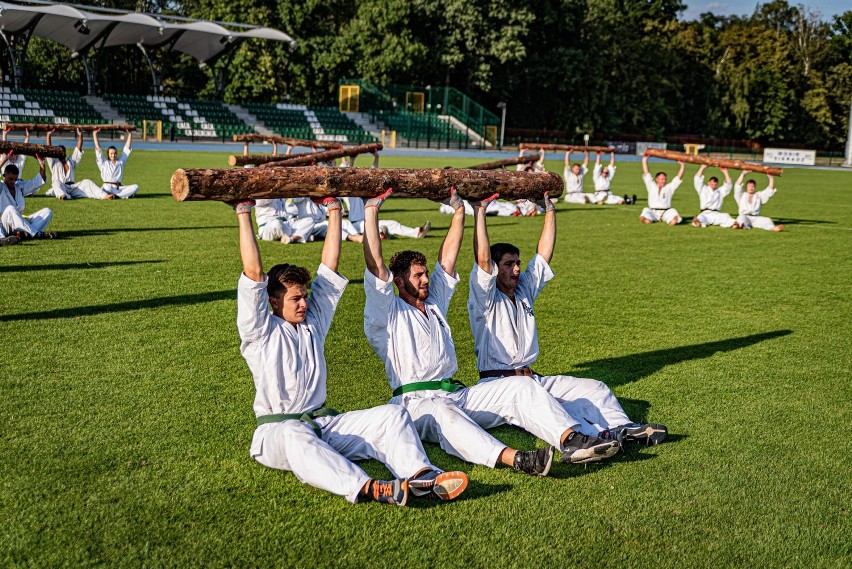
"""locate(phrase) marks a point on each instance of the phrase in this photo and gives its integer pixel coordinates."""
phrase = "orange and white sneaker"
(437, 484)
(388, 491)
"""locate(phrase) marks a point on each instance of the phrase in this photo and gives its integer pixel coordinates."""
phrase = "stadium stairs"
(310, 123)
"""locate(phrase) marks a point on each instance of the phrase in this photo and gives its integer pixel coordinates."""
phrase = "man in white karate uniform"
(573, 176)
(602, 178)
(16, 159)
(410, 333)
(284, 350)
(660, 195)
(502, 319)
(62, 172)
(13, 222)
(354, 231)
(710, 196)
(749, 203)
(275, 224)
(112, 168)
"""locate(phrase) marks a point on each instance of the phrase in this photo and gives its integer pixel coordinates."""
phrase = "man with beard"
(411, 335)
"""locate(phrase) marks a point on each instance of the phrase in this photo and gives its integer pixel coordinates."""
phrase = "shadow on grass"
(72, 266)
(633, 367)
(793, 221)
(91, 232)
(475, 490)
(123, 306)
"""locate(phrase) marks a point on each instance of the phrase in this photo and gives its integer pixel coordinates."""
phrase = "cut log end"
(180, 185)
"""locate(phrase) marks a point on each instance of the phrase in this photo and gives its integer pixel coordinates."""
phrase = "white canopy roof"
(82, 29)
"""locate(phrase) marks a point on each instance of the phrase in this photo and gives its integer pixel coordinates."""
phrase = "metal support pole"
(502, 123)
(849, 138)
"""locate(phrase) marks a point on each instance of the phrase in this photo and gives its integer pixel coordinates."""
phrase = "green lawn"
(126, 406)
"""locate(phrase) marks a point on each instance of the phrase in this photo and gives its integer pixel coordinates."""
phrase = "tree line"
(782, 73)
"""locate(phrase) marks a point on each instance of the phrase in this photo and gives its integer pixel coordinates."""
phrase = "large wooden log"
(566, 147)
(43, 150)
(507, 162)
(226, 184)
(314, 158)
(252, 137)
(69, 127)
(717, 162)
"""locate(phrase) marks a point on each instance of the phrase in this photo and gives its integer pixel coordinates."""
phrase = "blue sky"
(827, 8)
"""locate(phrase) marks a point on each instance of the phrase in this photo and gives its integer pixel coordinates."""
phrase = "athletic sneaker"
(437, 484)
(388, 491)
(422, 231)
(534, 461)
(578, 448)
(11, 240)
(644, 433)
(46, 235)
(633, 201)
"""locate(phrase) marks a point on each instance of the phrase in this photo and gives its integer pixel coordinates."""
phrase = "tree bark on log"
(507, 162)
(69, 127)
(314, 158)
(25, 149)
(717, 162)
(566, 147)
(251, 137)
(227, 184)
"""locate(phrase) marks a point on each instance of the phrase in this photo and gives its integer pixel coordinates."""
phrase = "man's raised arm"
(547, 241)
(481, 243)
(448, 254)
(372, 242)
(249, 252)
(331, 247)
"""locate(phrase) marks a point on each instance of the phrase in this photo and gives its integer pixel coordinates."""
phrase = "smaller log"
(526, 158)
(566, 147)
(717, 162)
(69, 127)
(314, 158)
(227, 184)
(43, 150)
(252, 137)
(261, 159)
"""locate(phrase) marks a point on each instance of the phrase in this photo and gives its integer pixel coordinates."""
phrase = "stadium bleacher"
(189, 117)
(420, 126)
(43, 106)
(310, 123)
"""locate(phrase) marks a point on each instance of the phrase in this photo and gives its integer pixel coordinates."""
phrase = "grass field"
(126, 406)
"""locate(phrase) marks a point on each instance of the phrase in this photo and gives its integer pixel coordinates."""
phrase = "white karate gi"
(12, 209)
(112, 175)
(287, 363)
(660, 200)
(19, 161)
(497, 207)
(574, 185)
(62, 183)
(602, 185)
(274, 220)
(505, 338)
(711, 204)
(418, 347)
(390, 227)
(750, 209)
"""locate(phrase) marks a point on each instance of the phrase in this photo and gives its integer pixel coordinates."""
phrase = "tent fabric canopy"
(81, 30)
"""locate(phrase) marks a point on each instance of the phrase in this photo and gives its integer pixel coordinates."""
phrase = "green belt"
(446, 384)
(304, 417)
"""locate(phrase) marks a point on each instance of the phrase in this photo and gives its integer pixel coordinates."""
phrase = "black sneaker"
(644, 433)
(579, 448)
(437, 484)
(11, 240)
(388, 491)
(534, 461)
(45, 235)
(633, 201)
(627, 200)
(613, 434)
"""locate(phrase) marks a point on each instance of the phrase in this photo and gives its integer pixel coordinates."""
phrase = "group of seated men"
(15, 226)
(282, 332)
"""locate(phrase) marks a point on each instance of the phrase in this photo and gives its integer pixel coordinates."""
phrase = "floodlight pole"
(502, 106)
(849, 138)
